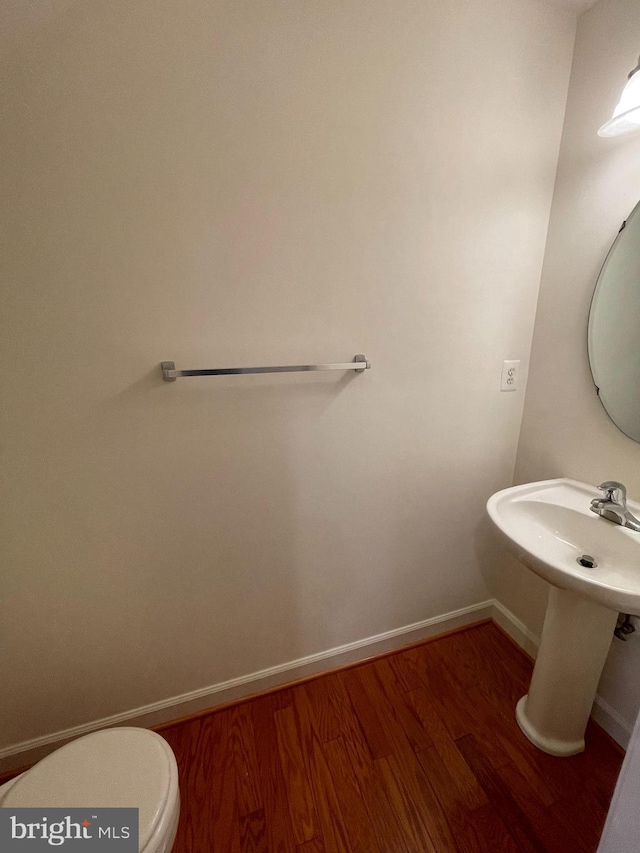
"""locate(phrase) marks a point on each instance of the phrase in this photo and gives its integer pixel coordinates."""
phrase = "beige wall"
(565, 430)
(232, 183)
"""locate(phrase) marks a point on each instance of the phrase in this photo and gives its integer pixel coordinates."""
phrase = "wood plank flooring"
(414, 752)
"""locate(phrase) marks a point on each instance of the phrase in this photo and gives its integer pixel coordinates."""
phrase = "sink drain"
(587, 561)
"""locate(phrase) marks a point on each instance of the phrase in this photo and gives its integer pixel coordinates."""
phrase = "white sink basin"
(549, 527)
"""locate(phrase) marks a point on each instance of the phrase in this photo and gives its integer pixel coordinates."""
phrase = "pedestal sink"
(548, 526)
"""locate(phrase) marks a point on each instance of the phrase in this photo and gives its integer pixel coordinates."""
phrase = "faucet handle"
(614, 492)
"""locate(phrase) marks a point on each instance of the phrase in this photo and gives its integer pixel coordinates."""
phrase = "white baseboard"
(30, 751)
(516, 629)
(611, 722)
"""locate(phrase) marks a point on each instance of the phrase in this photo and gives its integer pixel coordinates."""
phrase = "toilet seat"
(126, 767)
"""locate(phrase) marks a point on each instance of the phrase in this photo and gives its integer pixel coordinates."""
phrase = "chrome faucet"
(613, 505)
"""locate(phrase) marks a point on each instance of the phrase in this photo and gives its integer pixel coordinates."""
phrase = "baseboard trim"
(611, 722)
(516, 629)
(156, 714)
(168, 710)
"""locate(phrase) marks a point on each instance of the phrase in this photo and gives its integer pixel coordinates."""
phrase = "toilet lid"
(125, 767)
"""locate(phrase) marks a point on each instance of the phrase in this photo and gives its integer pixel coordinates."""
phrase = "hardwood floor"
(418, 751)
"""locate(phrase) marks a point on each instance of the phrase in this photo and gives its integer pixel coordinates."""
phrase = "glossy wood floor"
(418, 751)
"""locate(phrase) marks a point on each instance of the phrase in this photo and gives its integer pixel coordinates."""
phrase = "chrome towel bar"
(170, 374)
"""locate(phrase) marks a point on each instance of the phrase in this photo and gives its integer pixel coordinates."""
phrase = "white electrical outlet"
(510, 371)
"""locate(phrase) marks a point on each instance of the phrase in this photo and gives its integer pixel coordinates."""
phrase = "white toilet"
(125, 767)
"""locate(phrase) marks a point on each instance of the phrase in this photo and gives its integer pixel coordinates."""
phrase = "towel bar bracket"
(168, 369)
(361, 359)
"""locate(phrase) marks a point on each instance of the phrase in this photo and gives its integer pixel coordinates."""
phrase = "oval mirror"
(614, 329)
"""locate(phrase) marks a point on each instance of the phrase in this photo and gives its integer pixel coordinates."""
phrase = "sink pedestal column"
(575, 641)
